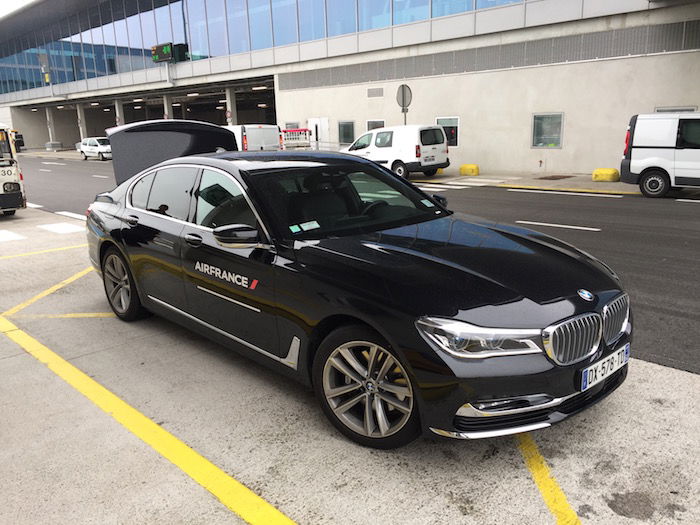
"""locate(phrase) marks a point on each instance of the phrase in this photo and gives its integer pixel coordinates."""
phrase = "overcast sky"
(7, 6)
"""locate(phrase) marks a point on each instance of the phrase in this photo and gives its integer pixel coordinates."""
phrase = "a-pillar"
(52, 144)
(167, 106)
(119, 113)
(82, 124)
(231, 113)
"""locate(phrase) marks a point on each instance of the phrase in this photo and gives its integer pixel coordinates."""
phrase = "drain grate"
(555, 177)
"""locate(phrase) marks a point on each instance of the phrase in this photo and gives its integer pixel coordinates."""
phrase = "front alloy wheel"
(119, 287)
(366, 391)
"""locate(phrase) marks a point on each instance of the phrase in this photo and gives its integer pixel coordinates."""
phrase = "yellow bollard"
(469, 169)
(606, 175)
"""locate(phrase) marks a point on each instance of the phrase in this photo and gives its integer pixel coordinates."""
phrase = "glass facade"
(116, 36)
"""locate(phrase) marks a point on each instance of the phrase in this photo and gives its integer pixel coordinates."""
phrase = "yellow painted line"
(49, 291)
(233, 494)
(43, 251)
(583, 190)
(551, 493)
(86, 315)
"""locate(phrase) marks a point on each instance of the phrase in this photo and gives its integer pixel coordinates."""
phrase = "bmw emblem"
(586, 295)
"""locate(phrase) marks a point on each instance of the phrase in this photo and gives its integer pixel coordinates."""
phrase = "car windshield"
(103, 142)
(333, 201)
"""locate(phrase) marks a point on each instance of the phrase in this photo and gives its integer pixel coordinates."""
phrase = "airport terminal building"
(520, 85)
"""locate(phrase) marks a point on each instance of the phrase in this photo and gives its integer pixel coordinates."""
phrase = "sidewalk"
(69, 154)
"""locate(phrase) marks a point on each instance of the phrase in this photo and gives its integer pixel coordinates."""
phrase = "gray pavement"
(628, 460)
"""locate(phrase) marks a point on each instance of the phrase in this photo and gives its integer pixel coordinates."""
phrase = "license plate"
(604, 368)
(429, 159)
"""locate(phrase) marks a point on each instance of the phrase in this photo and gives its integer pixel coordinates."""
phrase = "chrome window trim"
(129, 206)
(291, 359)
(239, 303)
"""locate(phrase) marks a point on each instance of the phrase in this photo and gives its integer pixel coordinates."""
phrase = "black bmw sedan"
(403, 316)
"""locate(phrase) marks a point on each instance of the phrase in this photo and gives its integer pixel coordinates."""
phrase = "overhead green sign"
(162, 52)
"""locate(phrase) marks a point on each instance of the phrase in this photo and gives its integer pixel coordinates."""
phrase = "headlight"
(462, 339)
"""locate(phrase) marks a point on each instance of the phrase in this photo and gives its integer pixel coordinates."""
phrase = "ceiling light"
(60, 107)
(222, 101)
(177, 105)
(34, 109)
(262, 105)
(105, 109)
(138, 100)
(259, 88)
(138, 107)
(188, 109)
(219, 107)
(192, 94)
(94, 103)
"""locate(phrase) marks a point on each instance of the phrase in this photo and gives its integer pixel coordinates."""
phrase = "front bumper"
(12, 201)
(471, 423)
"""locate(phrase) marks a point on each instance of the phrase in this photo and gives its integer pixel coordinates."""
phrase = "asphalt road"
(653, 245)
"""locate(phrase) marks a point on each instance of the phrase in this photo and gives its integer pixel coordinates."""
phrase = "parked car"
(12, 196)
(403, 316)
(404, 149)
(97, 147)
(258, 137)
(662, 151)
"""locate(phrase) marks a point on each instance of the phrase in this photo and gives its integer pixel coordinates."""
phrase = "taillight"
(447, 147)
(21, 177)
(245, 143)
(281, 142)
(417, 151)
(627, 141)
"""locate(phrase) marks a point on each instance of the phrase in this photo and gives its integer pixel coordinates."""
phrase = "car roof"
(408, 127)
(661, 116)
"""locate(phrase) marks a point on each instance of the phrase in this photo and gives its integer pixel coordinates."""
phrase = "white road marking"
(62, 227)
(688, 200)
(32, 205)
(101, 176)
(567, 226)
(604, 195)
(44, 169)
(72, 215)
(7, 235)
(54, 163)
(440, 186)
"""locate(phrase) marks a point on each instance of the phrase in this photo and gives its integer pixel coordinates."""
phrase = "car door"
(92, 148)
(157, 209)
(229, 288)
(361, 147)
(383, 148)
(687, 158)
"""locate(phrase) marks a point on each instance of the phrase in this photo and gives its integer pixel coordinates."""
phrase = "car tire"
(400, 169)
(430, 173)
(9, 213)
(654, 184)
(346, 387)
(120, 288)
(101, 156)
(82, 154)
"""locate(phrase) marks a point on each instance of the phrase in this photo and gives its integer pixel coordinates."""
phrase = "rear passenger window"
(221, 202)
(384, 139)
(432, 136)
(140, 191)
(690, 134)
(171, 192)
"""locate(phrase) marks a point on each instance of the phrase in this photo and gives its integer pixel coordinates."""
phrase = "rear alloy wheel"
(400, 169)
(119, 287)
(364, 389)
(654, 184)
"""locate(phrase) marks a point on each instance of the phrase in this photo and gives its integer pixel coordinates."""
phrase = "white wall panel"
(342, 45)
(372, 40)
(410, 34)
(286, 54)
(312, 50)
(551, 11)
(456, 26)
(592, 8)
(500, 19)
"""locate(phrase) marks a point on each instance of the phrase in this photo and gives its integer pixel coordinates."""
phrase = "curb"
(570, 190)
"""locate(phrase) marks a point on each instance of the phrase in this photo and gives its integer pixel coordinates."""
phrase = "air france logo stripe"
(224, 275)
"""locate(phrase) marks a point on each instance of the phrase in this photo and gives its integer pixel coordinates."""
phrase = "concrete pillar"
(184, 111)
(82, 125)
(167, 106)
(231, 113)
(52, 144)
(119, 112)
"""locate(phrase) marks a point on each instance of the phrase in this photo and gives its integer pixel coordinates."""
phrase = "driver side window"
(220, 202)
(363, 142)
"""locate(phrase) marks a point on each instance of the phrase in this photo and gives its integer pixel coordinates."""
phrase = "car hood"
(465, 267)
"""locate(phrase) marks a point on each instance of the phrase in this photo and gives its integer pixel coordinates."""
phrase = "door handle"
(193, 240)
(132, 220)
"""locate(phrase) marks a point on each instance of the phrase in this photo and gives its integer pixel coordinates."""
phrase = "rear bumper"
(12, 201)
(415, 167)
(626, 174)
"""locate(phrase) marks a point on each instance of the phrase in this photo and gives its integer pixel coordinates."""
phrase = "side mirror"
(238, 235)
(442, 201)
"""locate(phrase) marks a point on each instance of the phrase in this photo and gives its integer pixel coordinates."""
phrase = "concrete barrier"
(606, 175)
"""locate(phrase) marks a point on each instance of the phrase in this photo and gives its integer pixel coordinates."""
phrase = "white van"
(98, 147)
(662, 151)
(12, 196)
(258, 137)
(405, 149)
